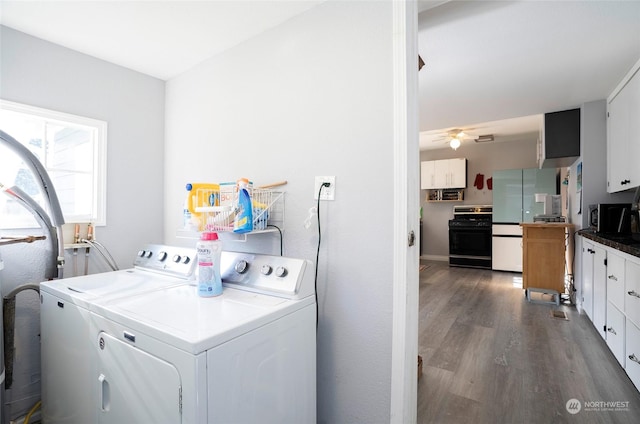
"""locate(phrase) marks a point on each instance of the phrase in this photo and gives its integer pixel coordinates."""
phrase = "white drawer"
(615, 332)
(632, 291)
(633, 354)
(615, 279)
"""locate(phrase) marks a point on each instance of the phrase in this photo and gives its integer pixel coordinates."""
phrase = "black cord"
(323, 185)
(280, 231)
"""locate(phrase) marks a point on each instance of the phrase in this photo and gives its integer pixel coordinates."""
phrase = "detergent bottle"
(243, 220)
(209, 250)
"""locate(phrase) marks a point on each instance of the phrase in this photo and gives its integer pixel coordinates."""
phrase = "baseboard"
(435, 258)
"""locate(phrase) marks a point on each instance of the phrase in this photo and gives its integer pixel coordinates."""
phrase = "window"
(72, 150)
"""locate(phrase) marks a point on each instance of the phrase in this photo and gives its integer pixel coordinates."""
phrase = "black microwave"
(610, 218)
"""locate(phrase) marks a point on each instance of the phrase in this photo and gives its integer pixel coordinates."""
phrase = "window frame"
(99, 202)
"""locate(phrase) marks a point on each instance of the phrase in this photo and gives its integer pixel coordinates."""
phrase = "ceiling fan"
(455, 136)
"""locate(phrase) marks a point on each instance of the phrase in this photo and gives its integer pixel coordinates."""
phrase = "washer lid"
(83, 289)
(179, 317)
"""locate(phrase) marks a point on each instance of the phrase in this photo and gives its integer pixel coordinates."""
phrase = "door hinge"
(605, 262)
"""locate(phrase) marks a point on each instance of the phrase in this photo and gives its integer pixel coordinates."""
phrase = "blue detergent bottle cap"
(189, 187)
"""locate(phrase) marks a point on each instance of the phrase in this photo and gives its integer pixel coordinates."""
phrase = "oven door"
(470, 246)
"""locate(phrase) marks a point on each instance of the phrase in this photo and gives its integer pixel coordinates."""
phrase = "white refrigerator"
(514, 202)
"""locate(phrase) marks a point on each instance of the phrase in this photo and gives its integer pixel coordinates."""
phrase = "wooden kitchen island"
(543, 257)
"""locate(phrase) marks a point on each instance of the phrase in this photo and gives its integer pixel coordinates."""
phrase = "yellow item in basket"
(202, 195)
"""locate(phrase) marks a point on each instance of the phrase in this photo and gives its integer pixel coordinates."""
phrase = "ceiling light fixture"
(454, 143)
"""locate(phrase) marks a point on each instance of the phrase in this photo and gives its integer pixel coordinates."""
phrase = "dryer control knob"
(241, 266)
(177, 258)
(281, 271)
(266, 269)
(141, 253)
(186, 260)
(148, 254)
(162, 256)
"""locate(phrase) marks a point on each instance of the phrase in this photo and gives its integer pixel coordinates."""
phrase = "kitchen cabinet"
(623, 133)
(632, 353)
(560, 142)
(632, 291)
(616, 333)
(599, 289)
(622, 316)
(544, 256)
(444, 173)
(514, 193)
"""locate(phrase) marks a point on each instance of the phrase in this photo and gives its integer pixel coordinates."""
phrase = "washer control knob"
(162, 256)
(141, 253)
(177, 258)
(241, 266)
(186, 260)
(148, 254)
(281, 271)
(266, 269)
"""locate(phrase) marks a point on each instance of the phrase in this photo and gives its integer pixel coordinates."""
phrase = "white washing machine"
(66, 349)
(170, 356)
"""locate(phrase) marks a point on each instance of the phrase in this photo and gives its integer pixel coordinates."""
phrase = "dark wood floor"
(489, 356)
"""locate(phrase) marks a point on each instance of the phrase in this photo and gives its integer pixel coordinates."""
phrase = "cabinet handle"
(612, 331)
(625, 182)
(612, 277)
(634, 358)
(634, 294)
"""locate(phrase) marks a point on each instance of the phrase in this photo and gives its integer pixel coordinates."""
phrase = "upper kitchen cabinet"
(445, 173)
(623, 133)
(560, 143)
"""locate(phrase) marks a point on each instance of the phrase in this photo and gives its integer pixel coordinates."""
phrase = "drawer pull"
(634, 358)
(612, 331)
(633, 293)
(613, 277)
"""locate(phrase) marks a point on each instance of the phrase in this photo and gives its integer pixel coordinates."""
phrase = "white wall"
(43, 74)
(310, 97)
(481, 159)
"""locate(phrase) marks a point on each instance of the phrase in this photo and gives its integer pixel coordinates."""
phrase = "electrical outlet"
(328, 193)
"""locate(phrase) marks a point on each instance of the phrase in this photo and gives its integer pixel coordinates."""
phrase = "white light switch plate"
(328, 193)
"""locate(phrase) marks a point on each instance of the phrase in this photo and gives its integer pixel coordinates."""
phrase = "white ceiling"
(158, 38)
(486, 61)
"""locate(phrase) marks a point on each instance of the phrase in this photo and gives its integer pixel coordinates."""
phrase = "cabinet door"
(632, 354)
(427, 175)
(632, 291)
(618, 128)
(458, 173)
(615, 279)
(616, 332)
(587, 278)
(633, 136)
(442, 177)
(507, 196)
(599, 289)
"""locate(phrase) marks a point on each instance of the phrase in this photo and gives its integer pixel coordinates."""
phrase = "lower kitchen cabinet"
(616, 332)
(632, 291)
(632, 359)
(615, 287)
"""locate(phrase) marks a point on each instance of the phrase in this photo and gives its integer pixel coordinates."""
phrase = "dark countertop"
(622, 243)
